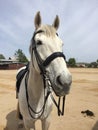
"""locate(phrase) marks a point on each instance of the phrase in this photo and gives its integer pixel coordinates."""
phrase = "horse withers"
(47, 73)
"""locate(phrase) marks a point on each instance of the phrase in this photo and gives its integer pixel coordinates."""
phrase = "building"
(81, 65)
(10, 64)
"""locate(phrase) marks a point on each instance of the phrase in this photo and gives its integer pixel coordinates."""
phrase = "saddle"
(19, 78)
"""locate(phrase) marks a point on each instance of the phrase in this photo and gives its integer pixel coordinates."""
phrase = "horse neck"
(35, 84)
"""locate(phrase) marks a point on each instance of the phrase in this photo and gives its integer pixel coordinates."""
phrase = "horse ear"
(37, 20)
(56, 22)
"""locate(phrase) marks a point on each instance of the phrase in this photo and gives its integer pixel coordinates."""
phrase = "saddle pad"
(20, 76)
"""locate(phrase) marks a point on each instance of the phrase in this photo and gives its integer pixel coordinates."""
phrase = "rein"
(46, 81)
(30, 109)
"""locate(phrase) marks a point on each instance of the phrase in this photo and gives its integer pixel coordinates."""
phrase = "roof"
(5, 61)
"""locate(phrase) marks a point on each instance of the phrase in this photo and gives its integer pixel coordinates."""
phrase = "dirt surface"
(83, 96)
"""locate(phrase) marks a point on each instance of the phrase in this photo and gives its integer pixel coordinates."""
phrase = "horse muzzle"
(62, 86)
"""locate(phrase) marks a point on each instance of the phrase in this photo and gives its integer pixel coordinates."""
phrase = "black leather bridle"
(42, 66)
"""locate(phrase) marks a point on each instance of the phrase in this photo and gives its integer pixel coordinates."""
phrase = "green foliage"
(72, 62)
(20, 56)
(93, 65)
(2, 56)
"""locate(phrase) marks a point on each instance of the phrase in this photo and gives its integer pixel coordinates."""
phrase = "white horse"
(47, 72)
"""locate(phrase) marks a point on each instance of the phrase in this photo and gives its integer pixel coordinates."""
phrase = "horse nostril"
(63, 81)
(59, 80)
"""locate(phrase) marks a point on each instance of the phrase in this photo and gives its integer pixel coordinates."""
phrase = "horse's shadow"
(95, 127)
(12, 122)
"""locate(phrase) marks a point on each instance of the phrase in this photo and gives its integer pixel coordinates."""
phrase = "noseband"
(52, 57)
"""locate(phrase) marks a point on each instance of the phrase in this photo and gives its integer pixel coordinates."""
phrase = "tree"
(2, 56)
(93, 65)
(20, 56)
(72, 62)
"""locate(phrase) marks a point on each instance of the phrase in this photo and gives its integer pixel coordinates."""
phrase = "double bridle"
(46, 80)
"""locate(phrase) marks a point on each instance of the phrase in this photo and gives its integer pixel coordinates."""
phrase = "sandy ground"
(83, 96)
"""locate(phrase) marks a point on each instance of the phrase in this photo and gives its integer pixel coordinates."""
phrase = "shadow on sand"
(12, 122)
(95, 127)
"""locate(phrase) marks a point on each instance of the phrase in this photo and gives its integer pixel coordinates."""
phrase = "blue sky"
(78, 25)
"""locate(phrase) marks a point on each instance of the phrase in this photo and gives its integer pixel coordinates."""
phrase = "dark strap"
(52, 57)
(39, 61)
(60, 112)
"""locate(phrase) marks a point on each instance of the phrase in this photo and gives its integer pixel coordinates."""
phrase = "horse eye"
(39, 42)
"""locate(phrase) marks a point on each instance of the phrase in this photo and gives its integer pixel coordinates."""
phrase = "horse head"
(47, 42)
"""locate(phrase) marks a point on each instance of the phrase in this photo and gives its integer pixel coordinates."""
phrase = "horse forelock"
(48, 30)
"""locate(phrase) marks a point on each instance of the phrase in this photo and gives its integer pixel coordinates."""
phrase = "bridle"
(46, 80)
